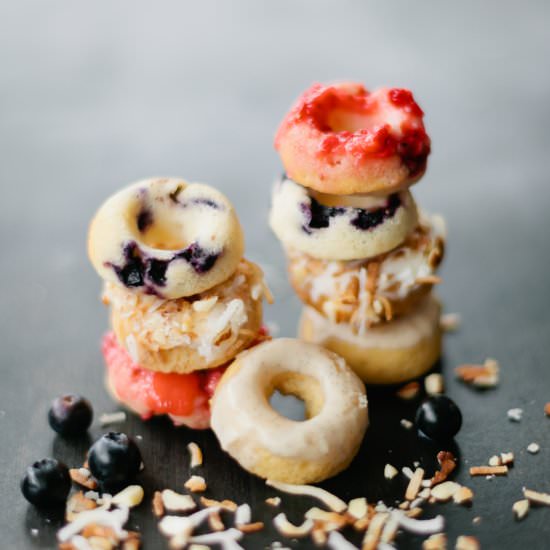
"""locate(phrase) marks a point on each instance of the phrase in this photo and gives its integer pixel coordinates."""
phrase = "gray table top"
(95, 95)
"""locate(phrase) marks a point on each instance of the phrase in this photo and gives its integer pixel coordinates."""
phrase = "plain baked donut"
(166, 237)
(365, 292)
(273, 446)
(387, 353)
(190, 334)
(342, 139)
(340, 227)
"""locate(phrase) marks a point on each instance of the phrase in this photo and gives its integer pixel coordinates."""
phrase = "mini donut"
(273, 446)
(189, 334)
(365, 292)
(166, 237)
(345, 231)
(387, 353)
(342, 139)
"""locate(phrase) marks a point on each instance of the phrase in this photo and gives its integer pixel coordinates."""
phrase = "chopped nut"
(428, 280)
(515, 415)
(433, 384)
(195, 484)
(520, 508)
(158, 506)
(332, 501)
(536, 497)
(112, 418)
(488, 470)
(224, 504)
(447, 462)
(405, 505)
(251, 527)
(482, 376)
(273, 501)
(374, 531)
(449, 322)
(407, 424)
(390, 471)
(408, 391)
(463, 496)
(319, 535)
(215, 522)
(358, 507)
(130, 496)
(133, 542)
(83, 477)
(289, 529)
(435, 542)
(444, 491)
(195, 454)
(78, 503)
(175, 502)
(330, 520)
(467, 543)
(414, 484)
(533, 448)
(507, 458)
(495, 461)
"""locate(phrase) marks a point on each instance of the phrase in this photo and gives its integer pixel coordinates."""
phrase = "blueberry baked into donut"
(361, 257)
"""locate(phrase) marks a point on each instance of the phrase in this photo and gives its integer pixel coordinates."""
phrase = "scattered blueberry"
(201, 260)
(114, 459)
(439, 418)
(46, 483)
(70, 415)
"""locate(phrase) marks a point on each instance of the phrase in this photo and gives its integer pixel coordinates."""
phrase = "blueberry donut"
(166, 237)
(386, 353)
(189, 334)
(365, 292)
(340, 227)
(273, 446)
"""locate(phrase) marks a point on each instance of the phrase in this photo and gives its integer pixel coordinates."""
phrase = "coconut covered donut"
(166, 237)
(364, 292)
(343, 139)
(340, 227)
(387, 353)
(190, 334)
(273, 446)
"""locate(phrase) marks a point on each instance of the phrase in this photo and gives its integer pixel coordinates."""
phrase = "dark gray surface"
(94, 95)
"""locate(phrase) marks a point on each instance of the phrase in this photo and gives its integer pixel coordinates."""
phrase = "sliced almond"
(358, 507)
(273, 501)
(444, 491)
(520, 508)
(464, 495)
(507, 458)
(195, 455)
(176, 502)
(467, 543)
(130, 496)
(495, 461)
(390, 471)
(195, 484)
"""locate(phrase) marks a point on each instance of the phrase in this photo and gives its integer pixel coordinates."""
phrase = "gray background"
(94, 95)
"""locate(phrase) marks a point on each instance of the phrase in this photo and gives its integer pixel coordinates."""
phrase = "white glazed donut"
(340, 227)
(166, 237)
(273, 446)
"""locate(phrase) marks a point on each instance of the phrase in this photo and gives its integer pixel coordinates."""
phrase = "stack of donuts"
(361, 256)
(183, 300)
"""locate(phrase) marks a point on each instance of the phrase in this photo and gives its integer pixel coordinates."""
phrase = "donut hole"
(296, 396)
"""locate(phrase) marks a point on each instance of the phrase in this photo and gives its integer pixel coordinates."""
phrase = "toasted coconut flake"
(362, 524)
(273, 501)
(172, 526)
(520, 508)
(420, 527)
(78, 502)
(464, 495)
(405, 505)
(158, 506)
(330, 520)
(243, 514)
(113, 519)
(414, 484)
(176, 502)
(215, 522)
(358, 507)
(450, 322)
(407, 424)
(319, 535)
(390, 530)
(467, 543)
(444, 491)
(536, 497)
(447, 462)
(289, 529)
(428, 280)
(408, 391)
(433, 384)
(205, 305)
(195, 455)
(495, 461)
(251, 527)
(83, 477)
(515, 415)
(507, 458)
(112, 418)
(435, 542)
(198, 547)
(336, 541)
(227, 539)
(488, 470)
(414, 512)
(195, 484)
(228, 505)
(331, 501)
(390, 471)
(130, 496)
(374, 531)
(482, 376)
(533, 448)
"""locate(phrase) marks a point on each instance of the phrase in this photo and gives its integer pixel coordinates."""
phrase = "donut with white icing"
(365, 292)
(340, 227)
(166, 237)
(272, 446)
(189, 334)
(342, 139)
(387, 353)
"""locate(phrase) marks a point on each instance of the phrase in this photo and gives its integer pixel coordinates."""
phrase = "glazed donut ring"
(387, 353)
(343, 231)
(185, 335)
(166, 237)
(341, 139)
(272, 446)
(365, 292)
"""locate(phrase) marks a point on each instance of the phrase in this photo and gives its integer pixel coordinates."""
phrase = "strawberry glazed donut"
(273, 446)
(340, 227)
(166, 237)
(342, 139)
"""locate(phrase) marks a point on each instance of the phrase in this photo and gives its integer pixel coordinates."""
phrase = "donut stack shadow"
(183, 300)
(361, 256)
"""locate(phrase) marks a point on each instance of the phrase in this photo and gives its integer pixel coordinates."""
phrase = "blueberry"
(70, 415)
(439, 418)
(114, 459)
(46, 483)
(200, 259)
